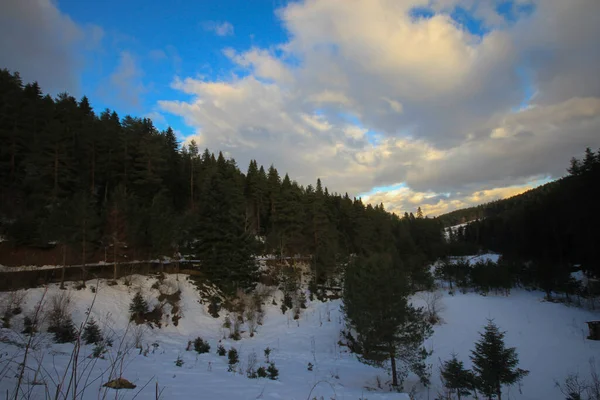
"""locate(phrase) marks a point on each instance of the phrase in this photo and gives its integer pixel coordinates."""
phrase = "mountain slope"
(550, 340)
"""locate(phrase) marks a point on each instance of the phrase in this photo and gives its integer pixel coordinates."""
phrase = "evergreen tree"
(321, 236)
(86, 226)
(117, 218)
(253, 193)
(65, 332)
(91, 332)
(456, 378)
(224, 247)
(495, 364)
(387, 328)
(138, 307)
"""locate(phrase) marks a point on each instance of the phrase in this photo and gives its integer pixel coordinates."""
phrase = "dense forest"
(493, 208)
(87, 181)
(553, 226)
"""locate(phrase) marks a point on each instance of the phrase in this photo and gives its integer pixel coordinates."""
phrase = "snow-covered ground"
(550, 339)
(453, 228)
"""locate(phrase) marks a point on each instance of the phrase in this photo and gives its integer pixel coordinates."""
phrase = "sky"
(438, 104)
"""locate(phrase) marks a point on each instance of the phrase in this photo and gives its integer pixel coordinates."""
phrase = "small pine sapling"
(273, 371)
(179, 362)
(138, 308)
(267, 354)
(261, 372)
(201, 346)
(91, 333)
(221, 350)
(99, 350)
(232, 359)
(495, 364)
(214, 307)
(29, 326)
(456, 378)
(64, 333)
(310, 366)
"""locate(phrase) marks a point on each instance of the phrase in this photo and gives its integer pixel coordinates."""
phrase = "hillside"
(552, 227)
(497, 207)
(550, 339)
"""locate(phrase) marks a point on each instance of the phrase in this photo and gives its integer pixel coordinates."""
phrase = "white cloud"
(124, 85)
(157, 55)
(219, 28)
(44, 44)
(433, 102)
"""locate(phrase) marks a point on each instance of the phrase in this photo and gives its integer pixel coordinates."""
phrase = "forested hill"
(493, 208)
(555, 225)
(90, 181)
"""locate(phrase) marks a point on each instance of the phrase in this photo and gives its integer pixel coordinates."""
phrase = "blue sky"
(434, 103)
(169, 39)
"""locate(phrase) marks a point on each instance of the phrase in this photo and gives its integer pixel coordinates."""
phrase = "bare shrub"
(252, 320)
(59, 309)
(576, 388)
(137, 334)
(235, 328)
(433, 305)
(11, 304)
(251, 367)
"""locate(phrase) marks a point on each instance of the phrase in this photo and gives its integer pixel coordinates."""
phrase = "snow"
(550, 339)
(579, 276)
(480, 258)
(454, 229)
(336, 372)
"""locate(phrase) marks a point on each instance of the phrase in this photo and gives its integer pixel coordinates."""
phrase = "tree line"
(546, 231)
(88, 181)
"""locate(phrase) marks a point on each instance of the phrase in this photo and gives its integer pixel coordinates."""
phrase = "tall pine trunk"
(83, 248)
(115, 267)
(257, 205)
(13, 154)
(192, 184)
(93, 172)
(55, 189)
(394, 372)
(64, 268)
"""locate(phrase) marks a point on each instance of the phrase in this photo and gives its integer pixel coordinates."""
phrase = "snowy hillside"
(550, 339)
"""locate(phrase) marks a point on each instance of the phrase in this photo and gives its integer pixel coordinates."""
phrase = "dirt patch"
(119, 383)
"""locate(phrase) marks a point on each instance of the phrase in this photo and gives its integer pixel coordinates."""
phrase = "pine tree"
(456, 378)
(87, 229)
(253, 193)
(65, 332)
(224, 247)
(495, 364)
(91, 332)
(419, 213)
(387, 328)
(138, 307)
(321, 236)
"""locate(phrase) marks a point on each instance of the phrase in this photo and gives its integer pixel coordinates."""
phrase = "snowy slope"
(336, 373)
(550, 339)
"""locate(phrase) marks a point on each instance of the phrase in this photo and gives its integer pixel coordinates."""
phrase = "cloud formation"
(369, 95)
(42, 43)
(219, 28)
(124, 85)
